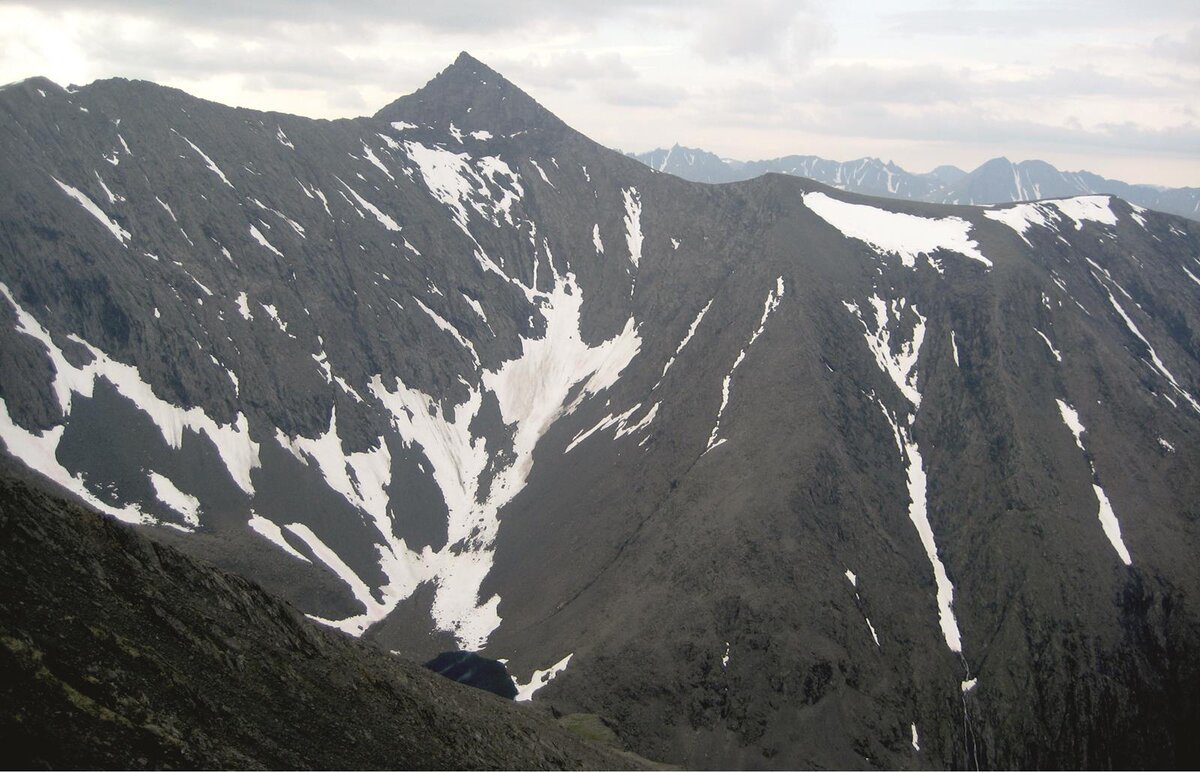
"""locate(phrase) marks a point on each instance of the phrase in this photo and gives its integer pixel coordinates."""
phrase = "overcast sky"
(1111, 86)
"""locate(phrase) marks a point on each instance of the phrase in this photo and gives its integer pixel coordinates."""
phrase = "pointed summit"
(472, 96)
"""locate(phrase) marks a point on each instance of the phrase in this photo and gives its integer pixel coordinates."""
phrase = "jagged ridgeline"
(765, 474)
(998, 181)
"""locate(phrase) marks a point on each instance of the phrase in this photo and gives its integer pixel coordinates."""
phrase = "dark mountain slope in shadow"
(117, 651)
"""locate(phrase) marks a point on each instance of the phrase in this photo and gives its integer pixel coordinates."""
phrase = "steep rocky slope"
(767, 474)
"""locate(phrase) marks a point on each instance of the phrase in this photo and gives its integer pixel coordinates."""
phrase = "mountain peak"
(472, 95)
(464, 59)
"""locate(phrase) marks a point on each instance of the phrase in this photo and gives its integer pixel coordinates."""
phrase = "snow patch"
(537, 166)
(243, 307)
(904, 235)
(1049, 345)
(383, 219)
(113, 198)
(874, 635)
(274, 314)
(450, 328)
(256, 234)
(540, 678)
(532, 392)
(1021, 217)
(901, 369)
(208, 161)
(478, 309)
(686, 338)
(373, 159)
(633, 224)
(1083, 208)
(771, 303)
(1108, 519)
(1155, 361)
(274, 534)
(186, 505)
(89, 206)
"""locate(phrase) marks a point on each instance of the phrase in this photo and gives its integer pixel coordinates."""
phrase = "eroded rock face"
(767, 474)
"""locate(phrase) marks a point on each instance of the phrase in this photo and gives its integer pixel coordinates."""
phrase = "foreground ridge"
(120, 652)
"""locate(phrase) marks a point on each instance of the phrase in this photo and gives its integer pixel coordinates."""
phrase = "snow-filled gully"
(1108, 519)
(769, 305)
(532, 392)
(901, 369)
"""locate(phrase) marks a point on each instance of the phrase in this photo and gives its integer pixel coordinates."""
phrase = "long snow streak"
(274, 534)
(384, 220)
(905, 235)
(1049, 345)
(185, 504)
(633, 224)
(89, 206)
(208, 161)
(1155, 361)
(771, 303)
(451, 329)
(919, 515)
(900, 367)
(1108, 518)
(256, 234)
(39, 450)
(620, 421)
(686, 338)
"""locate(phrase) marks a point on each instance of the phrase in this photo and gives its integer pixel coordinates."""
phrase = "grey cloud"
(1034, 17)
(1184, 48)
(862, 83)
(565, 69)
(366, 15)
(1000, 133)
(637, 93)
(606, 74)
(926, 85)
(786, 33)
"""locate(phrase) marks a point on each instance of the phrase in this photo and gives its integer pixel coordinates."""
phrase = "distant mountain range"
(998, 181)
